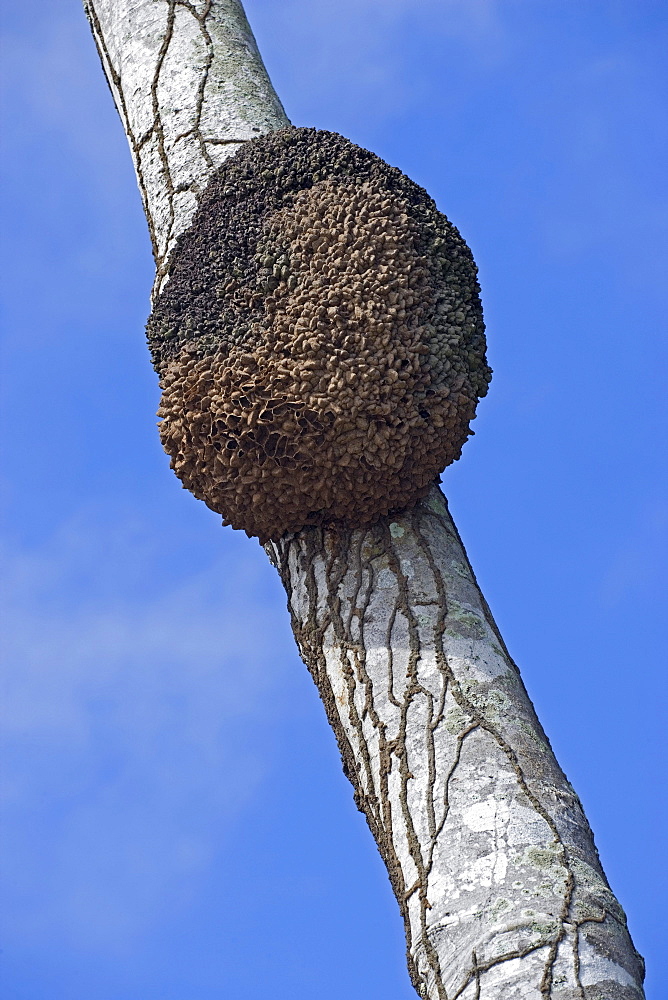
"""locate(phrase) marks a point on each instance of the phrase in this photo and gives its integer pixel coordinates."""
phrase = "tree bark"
(190, 86)
(488, 850)
(489, 853)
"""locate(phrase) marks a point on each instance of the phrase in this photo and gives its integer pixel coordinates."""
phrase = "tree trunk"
(488, 850)
(490, 855)
(190, 86)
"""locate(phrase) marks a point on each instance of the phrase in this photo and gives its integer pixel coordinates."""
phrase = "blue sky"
(176, 826)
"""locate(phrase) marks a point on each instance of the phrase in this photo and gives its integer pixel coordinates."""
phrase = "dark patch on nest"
(320, 341)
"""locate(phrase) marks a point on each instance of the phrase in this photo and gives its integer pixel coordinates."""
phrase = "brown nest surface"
(320, 341)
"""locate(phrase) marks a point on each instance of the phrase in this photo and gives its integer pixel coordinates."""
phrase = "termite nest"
(320, 341)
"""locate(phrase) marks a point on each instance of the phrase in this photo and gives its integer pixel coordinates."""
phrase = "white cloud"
(134, 715)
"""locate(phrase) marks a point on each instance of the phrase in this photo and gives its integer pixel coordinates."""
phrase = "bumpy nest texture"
(320, 341)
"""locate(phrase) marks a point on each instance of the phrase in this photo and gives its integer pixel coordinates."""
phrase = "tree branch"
(489, 853)
(488, 850)
(190, 86)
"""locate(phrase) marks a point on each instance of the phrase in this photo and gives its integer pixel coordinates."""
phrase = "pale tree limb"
(490, 855)
(488, 850)
(190, 86)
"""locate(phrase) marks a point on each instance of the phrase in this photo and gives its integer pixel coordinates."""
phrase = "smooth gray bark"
(488, 850)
